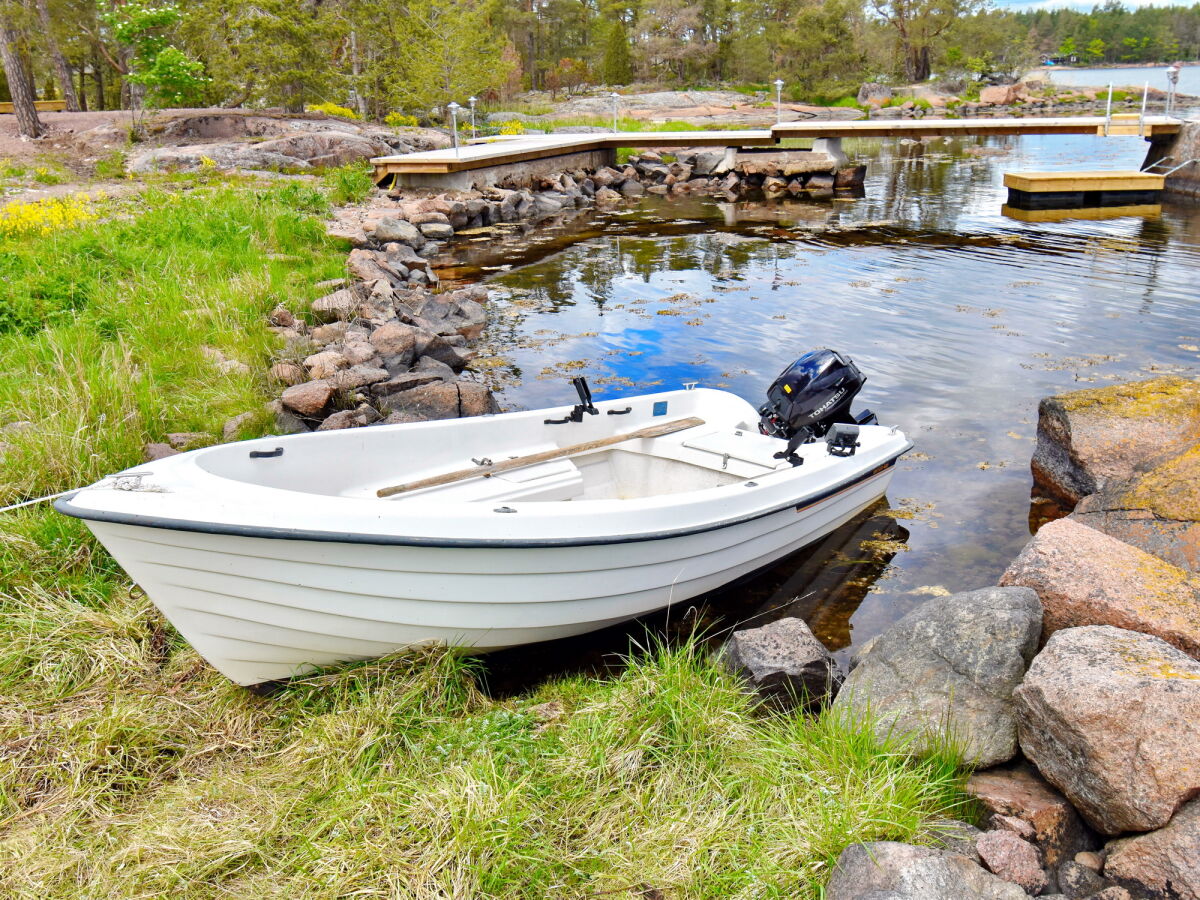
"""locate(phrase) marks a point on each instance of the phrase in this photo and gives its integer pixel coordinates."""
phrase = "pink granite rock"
(1086, 577)
(1013, 859)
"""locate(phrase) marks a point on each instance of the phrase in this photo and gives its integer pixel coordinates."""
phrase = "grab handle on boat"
(266, 454)
(621, 412)
(651, 431)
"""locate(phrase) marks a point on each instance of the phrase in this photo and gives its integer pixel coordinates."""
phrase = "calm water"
(961, 317)
(1127, 77)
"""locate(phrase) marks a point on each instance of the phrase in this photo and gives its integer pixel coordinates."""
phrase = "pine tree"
(20, 86)
(616, 67)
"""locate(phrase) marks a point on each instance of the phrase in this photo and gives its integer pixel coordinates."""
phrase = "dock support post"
(833, 148)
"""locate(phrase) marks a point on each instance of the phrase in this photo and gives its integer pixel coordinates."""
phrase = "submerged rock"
(1086, 577)
(1087, 438)
(785, 663)
(951, 664)
(1109, 717)
(885, 870)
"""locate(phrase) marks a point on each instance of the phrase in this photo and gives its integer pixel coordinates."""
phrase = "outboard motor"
(810, 400)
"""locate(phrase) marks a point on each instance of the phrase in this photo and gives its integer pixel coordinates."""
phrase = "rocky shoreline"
(385, 345)
(1073, 686)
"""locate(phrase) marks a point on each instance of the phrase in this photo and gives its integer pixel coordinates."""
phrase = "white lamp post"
(472, 101)
(454, 108)
(778, 100)
(614, 96)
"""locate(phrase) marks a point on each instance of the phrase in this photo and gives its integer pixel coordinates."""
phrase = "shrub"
(332, 109)
(400, 120)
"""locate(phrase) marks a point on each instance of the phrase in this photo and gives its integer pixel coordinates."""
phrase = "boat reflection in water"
(823, 584)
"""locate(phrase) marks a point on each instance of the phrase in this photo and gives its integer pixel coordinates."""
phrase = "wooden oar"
(508, 465)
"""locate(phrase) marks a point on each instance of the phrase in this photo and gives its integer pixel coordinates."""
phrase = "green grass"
(918, 102)
(349, 184)
(129, 768)
(103, 326)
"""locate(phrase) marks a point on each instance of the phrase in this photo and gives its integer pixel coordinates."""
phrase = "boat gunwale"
(268, 532)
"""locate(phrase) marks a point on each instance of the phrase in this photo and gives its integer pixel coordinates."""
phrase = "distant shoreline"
(1157, 65)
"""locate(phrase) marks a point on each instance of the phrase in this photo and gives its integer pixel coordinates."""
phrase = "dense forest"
(380, 56)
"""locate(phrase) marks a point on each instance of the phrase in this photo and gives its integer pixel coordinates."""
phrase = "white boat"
(278, 555)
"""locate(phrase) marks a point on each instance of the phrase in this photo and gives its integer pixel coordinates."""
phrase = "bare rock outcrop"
(1091, 437)
(1086, 577)
(952, 663)
(1109, 717)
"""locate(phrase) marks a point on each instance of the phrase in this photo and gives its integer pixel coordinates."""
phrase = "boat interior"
(694, 459)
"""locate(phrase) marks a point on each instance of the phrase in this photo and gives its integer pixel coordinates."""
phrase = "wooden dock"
(977, 127)
(1082, 190)
(472, 157)
(522, 149)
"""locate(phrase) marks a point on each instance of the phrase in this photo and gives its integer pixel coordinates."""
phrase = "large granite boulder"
(1086, 577)
(1158, 511)
(885, 870)
(1164, 863)
(785, 663)
(1019, 792)
(1109, 717)
(1088, 438)
(951, 663)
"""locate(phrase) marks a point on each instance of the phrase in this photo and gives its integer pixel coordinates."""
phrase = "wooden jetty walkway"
(503, 152)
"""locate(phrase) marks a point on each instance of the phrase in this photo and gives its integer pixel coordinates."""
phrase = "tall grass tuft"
(351, 183)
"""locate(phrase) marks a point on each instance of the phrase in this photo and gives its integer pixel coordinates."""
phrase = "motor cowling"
(811, 395)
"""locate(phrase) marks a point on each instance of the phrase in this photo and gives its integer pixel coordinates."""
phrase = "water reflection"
(961, 317)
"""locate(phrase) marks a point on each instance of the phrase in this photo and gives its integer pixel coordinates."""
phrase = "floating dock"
(1144, 211)
(1082, 190)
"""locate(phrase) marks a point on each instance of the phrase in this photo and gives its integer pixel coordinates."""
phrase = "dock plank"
(1056, 182)
(475, 156)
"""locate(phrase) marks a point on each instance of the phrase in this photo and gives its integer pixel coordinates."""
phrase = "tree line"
(380, 56)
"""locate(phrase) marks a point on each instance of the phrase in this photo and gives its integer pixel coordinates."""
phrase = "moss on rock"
(1171, 490)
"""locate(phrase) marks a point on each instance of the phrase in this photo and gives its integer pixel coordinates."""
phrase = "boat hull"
(263, 609)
